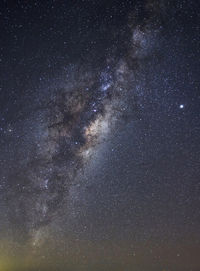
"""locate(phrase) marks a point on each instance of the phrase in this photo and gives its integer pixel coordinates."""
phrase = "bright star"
(181, 106)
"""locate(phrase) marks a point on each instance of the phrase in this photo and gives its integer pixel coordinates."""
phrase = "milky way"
(99, 135)
(70, 118)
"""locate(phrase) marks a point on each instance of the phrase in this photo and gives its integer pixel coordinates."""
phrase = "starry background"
(99, 135)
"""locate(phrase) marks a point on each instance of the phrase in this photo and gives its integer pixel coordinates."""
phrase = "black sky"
(99, 135)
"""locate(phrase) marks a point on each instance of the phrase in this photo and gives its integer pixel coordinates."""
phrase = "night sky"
(99, 135)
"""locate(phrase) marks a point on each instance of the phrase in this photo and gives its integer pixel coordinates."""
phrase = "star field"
(99, 135)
